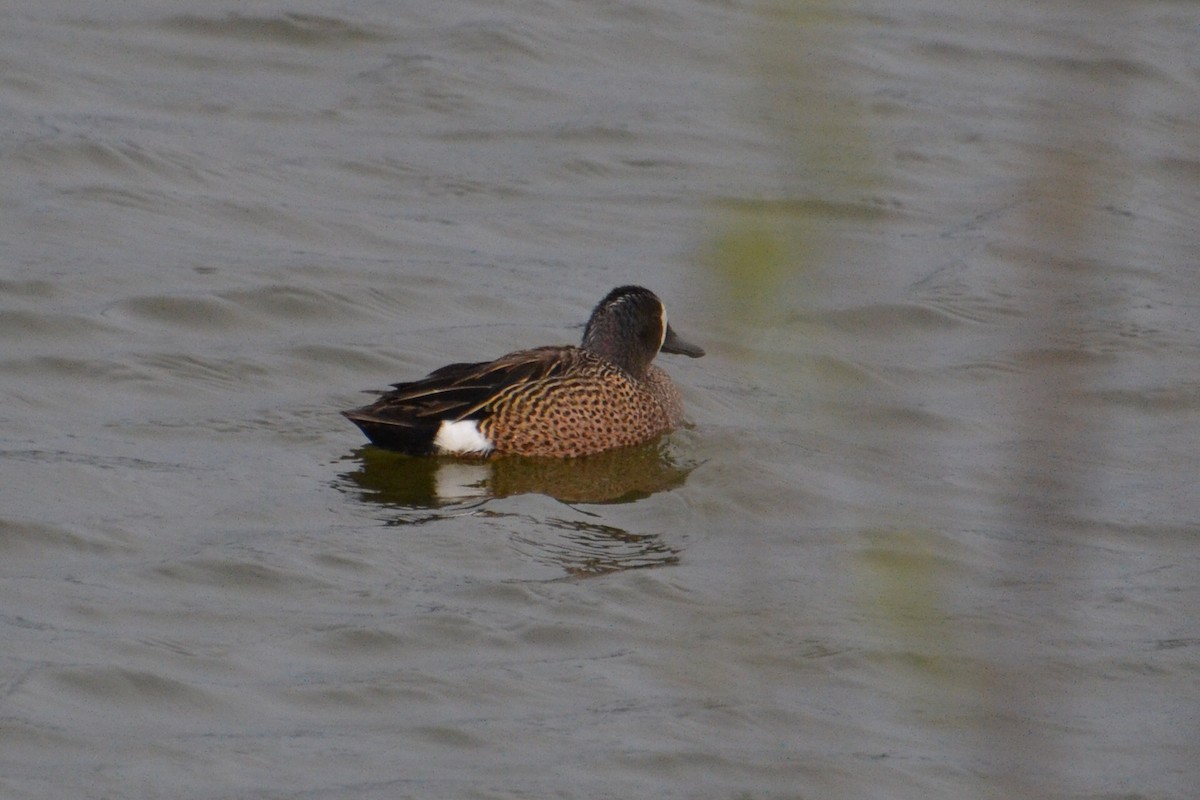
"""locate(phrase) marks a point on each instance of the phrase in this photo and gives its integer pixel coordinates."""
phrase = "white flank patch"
(461, 437)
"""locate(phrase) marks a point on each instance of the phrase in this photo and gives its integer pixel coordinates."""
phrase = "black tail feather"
(414, 439)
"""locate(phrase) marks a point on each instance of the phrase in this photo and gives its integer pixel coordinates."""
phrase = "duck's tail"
(414, 437)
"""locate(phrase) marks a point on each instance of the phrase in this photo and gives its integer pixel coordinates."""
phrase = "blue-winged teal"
(550, 401)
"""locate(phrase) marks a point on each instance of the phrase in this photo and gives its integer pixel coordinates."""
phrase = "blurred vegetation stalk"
(769, 248)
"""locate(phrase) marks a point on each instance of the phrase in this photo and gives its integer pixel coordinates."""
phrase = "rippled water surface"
(931, 534)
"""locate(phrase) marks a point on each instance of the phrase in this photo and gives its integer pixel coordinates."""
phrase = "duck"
(560, 401)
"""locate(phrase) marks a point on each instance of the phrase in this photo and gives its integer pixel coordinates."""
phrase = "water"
(932, 534)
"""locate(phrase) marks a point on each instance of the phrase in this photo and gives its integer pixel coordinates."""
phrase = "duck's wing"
(464, 391)
(409, 416)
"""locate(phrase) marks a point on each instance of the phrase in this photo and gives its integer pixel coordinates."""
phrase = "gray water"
(932, 532)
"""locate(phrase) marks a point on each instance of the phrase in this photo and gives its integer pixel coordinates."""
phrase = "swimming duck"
(559, 401)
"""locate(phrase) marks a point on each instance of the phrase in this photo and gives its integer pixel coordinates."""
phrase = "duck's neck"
(618, 347)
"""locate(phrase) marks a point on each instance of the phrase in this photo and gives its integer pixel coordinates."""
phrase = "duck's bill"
(673, 344)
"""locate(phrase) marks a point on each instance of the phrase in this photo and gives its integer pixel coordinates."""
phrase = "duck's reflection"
(585, 549)
(616, 476)
(419, 490)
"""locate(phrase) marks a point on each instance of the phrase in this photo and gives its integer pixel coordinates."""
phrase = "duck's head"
(629, 327)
